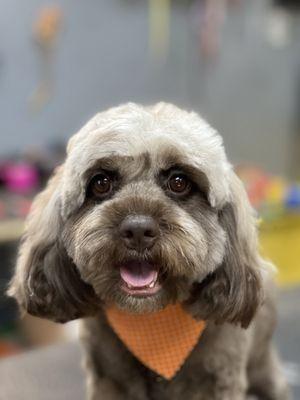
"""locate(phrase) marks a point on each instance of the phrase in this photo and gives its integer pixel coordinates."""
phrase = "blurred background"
(237, 62)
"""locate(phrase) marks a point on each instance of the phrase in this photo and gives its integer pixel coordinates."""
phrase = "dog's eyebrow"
(196, 175)
(169, 159)
(110, 163)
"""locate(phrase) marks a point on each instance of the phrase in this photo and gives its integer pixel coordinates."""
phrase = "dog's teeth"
(152, 284)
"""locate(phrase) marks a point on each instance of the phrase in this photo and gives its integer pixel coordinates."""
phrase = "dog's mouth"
(139, 278)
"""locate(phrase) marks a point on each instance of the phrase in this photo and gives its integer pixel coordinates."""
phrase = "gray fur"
(207, 253)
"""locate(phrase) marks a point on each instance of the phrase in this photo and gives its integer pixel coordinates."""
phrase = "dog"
(147, 213)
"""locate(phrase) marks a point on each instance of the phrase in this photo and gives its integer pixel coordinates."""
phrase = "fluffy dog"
(146, 211)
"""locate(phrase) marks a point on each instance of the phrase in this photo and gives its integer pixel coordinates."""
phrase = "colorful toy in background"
(19, 180)
(46, 31)
(208, 18)
(272, 196)
(21, 177)
(159, 28)
(47, 25)
(278, 204)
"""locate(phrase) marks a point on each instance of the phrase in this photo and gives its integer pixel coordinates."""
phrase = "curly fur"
(207, 252)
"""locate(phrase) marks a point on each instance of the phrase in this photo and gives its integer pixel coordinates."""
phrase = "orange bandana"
(162, 340)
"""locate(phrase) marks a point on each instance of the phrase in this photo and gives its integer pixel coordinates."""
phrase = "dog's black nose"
(139, 231)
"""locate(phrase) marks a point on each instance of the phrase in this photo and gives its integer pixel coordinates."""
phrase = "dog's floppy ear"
(233, 292)
(46, 283)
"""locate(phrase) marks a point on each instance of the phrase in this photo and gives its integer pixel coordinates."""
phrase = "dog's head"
(145, 211)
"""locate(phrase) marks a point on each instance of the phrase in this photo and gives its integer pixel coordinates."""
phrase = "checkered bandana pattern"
(162, 340)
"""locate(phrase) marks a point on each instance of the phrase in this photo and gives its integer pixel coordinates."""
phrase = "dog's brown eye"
(179, 184)
(101, 185)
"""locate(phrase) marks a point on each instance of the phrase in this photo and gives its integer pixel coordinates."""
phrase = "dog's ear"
(46, 283)
(233, 292)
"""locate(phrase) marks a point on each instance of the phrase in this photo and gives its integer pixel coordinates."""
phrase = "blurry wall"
(102, 59)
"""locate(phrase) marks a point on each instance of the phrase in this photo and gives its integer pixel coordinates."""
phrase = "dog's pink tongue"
(138, 274)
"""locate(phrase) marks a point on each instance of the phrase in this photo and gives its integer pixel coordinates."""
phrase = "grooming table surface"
(56, 373)
(53, 373)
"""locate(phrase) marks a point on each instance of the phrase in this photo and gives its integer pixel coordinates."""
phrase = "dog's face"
(144, 212)
(145, 231)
